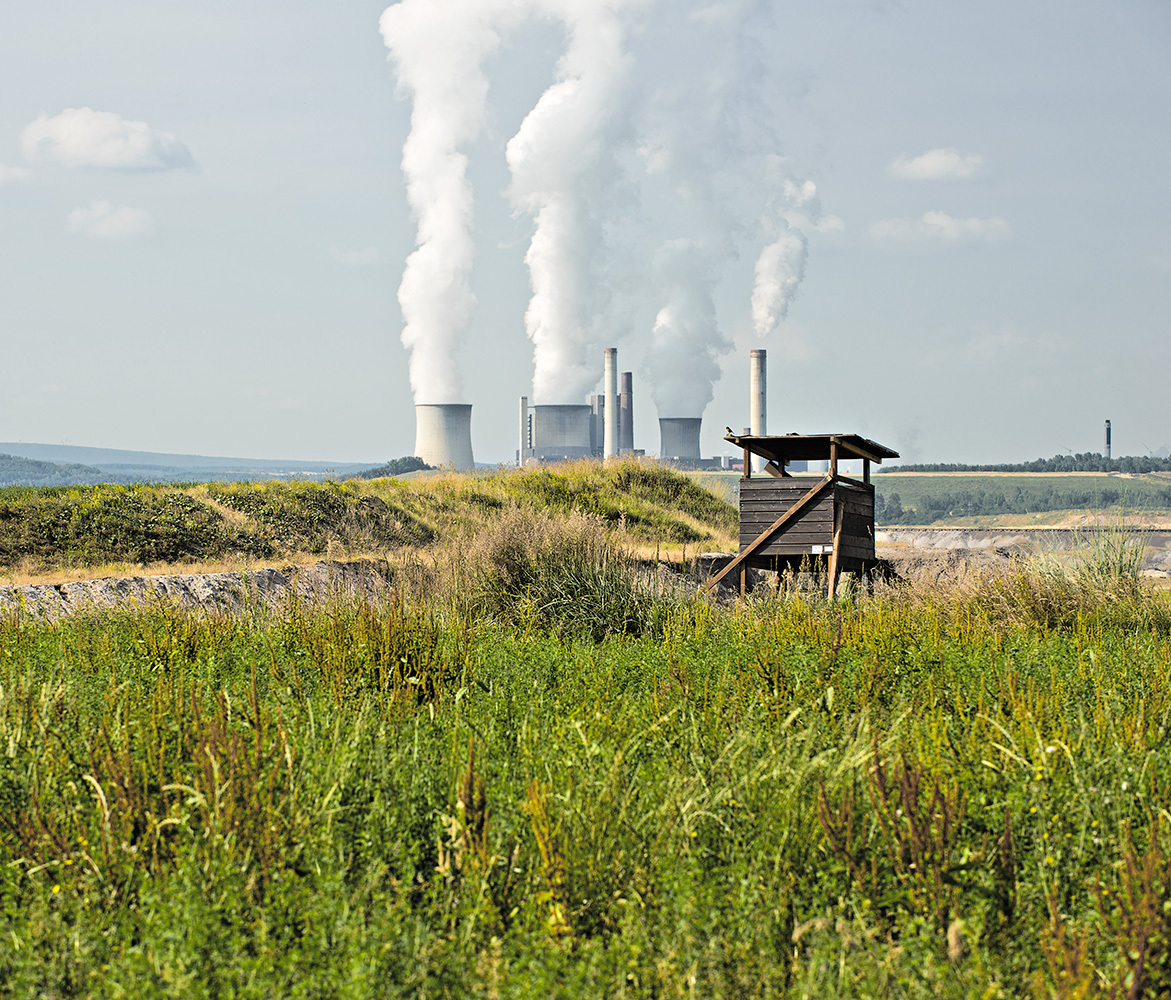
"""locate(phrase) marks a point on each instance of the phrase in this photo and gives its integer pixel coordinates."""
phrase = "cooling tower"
(561, 431)
(679, 438)
(443, 435)
(610, 387)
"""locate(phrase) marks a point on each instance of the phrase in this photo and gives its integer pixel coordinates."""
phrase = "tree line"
(1082, 462)
(1016, 499)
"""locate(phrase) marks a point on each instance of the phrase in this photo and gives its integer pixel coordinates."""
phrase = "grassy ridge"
(945, 791)
(41, 529)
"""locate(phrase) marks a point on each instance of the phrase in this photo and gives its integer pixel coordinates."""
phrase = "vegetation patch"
(940, 790)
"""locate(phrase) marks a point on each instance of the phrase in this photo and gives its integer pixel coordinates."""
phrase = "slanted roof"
(782, 448)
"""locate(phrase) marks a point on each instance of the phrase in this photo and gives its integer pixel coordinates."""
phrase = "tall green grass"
(473, 790)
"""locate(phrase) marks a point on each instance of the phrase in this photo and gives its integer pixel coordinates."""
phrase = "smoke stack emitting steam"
(696, 127)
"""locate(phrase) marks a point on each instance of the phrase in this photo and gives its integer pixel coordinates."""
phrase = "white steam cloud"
(561, 158)
(82, 137)
(659, 99)
(438, 48)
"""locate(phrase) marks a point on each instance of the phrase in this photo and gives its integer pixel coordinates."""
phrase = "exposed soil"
(211, 591)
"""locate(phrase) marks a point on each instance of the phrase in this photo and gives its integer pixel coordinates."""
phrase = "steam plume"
(561, 159)
(438, 48)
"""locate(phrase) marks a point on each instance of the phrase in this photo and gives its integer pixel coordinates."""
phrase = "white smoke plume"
(780, 267)
(561, 159)
(686, 95)
(686, 342)
(694, 141)
(438, 48)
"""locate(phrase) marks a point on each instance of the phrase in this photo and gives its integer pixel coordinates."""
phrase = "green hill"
(43, 529)
(17, 471)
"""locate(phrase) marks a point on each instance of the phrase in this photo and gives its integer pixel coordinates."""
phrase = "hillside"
(18, 471)
(74, 530)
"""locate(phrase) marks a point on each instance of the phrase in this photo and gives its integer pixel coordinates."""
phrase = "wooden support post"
(747, 464)
(768, 532)
(866, 470)
(833, 457)
(835, 561)
(743, 581)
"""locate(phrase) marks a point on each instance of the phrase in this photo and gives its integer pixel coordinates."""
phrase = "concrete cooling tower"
(679, 438)
(561, 432)
(443, 435)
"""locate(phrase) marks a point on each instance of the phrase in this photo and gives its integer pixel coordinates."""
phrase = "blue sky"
(988, 275)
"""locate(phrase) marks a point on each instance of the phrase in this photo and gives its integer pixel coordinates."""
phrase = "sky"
(204, 224)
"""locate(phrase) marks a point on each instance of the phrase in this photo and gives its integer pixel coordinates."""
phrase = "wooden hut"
(785, 519)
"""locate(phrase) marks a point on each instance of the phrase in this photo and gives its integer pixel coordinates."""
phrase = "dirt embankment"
(211, 591)
(901, 543)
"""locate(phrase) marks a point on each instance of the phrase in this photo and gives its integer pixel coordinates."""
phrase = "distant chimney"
(626, 414)
(1107, 438)
(757, 398)
(610, 388)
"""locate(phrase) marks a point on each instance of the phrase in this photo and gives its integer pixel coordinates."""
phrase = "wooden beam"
(833, 457)
(855, 449)
(866, 471)
(777, 471)
(768, 532)
(835, 562)
(747, 464)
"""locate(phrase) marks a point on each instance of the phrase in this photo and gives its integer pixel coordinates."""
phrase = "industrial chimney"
(757, 398)
(679, 438)
(523, 451)
(1107, 438)
(611, 411)
(626, 414)
(443, 434)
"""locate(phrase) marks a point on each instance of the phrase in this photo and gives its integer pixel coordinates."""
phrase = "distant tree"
(395, 467)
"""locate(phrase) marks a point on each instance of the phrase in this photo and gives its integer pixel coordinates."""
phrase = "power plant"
(603, 427)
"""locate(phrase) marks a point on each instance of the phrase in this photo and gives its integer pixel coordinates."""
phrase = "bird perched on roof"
(729, 430)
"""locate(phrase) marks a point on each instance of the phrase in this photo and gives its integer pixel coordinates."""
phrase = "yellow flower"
(69, 861)
(56, 888)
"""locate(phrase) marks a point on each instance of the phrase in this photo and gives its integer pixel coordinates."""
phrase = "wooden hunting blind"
(785, 520)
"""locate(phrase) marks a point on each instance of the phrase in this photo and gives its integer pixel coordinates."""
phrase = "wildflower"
(1050, 749)
(56, 889)
(1050, 860)
(1125, 785)
(69, 861)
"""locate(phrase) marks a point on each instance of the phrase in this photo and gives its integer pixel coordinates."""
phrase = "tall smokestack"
(626, 414)
(443, 434)
(611, 412)
(1107, 438)
(522, 451)
(757, 398)
(679, 438)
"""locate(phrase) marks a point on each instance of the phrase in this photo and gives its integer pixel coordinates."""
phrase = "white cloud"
(937, 165)
(82, 137)
(104, 221)
(355, 258)
(939, 227)
(9, 175)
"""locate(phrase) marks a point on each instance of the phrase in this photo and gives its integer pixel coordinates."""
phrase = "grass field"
(530, 772)
(995, 499)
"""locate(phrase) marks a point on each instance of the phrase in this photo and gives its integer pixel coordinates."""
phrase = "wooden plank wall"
(763, 500)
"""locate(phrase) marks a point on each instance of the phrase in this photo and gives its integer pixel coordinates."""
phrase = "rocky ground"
(213, 591)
